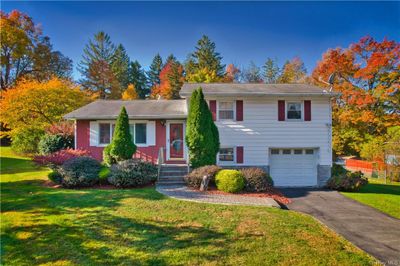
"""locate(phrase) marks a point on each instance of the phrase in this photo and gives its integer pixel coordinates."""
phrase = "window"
(294, 111)
(298, 151)
(140, 133)
(286, 151)
(225, 110)
(105, 133)
(226, 155)
(275, 151)
(309, 151)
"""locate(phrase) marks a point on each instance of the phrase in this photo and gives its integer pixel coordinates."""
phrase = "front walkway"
(184, 193)
(371, 230)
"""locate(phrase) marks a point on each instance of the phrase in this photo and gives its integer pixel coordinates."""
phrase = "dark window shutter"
(307, 110)
(213, 109)
(281, 110)
(239, 110)
(239, 154)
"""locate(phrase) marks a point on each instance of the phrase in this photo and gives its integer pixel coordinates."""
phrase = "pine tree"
(171, 59)
(202, 138)
(96, 66)
(121, 147)
(153, 74)
(271, 71)
(204, 59)
(137, 77)
(120, 67)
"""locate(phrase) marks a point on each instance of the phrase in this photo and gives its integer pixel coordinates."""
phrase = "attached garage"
(295, 167)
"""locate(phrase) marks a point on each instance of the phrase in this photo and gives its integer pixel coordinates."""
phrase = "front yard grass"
(377, 194)
(48, 226)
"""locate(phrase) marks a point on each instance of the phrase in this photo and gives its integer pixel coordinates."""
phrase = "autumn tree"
(366, 74)
(232, 74)
(252, 74)
(171, 81)
(96, 67)
(204, 64)
(27, 53)
(153, 74)
(130, 93)
(293, 71)
(31, 106)
(138, 78)
(270, 71)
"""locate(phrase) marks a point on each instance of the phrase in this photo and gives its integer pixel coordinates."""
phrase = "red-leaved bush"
(59, 157)
(64, 128)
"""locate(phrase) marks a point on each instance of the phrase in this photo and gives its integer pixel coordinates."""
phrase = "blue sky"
(242, 31)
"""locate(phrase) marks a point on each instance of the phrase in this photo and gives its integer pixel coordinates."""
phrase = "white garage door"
(293, 167)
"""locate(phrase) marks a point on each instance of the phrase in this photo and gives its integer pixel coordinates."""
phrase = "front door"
(176, 141)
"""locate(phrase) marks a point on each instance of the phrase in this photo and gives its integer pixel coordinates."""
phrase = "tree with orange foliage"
(367, 76)
(171, 81)
(130, 93)
(26, 52)
(33, 106)
(232, 74)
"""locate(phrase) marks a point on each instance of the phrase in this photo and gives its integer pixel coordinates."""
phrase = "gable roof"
(136, 109)
(253, 89)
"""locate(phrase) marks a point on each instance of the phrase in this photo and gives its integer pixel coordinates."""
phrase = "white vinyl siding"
(260, 130)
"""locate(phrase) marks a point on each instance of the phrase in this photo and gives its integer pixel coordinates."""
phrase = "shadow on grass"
(104, 239)
(381, 189)
(31, 195)
(9, 165)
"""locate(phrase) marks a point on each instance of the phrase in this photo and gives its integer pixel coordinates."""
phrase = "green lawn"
(377, 194)
(49, 226)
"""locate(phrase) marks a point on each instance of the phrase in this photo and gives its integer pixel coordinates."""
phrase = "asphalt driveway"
(369, 229)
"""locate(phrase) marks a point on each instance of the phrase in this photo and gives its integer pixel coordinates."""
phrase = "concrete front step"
(170, 183)
(175, 178)
(172, 174)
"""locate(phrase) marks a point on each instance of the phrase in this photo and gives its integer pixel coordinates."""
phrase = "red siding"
(307, 110)
(149, 153)
(281, 110)
(83, 139)
(239, 154)
(239, 110)
(213, 109)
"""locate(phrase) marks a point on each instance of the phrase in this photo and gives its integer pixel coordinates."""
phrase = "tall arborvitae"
(96, 67)
(120, 67)
(121, 147)
(206, 61)
(137, 77)
(202, 138)
(153, 75)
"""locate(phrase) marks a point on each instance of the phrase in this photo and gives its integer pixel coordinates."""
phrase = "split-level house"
(283, 128)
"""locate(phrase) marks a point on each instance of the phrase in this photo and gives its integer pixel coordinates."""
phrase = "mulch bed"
(51, 184)
(270, 193)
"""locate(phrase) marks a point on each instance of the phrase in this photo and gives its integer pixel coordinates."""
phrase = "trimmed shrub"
(121, 147)
(347, 182)
(194, 178)
(229, 180)
(256, 179)
(132, 173)
(52, 143)
(337, 170)
(55, 177)
(58, 158)
(104, 174)
(80, 172)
